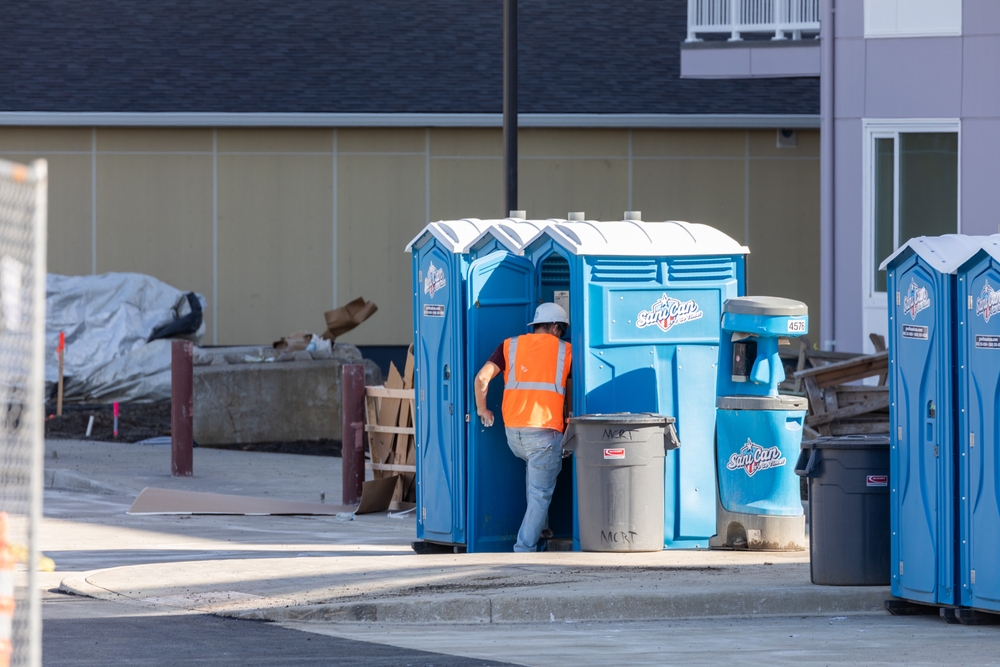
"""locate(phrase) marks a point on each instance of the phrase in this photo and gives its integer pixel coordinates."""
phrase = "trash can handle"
(810, 459)
(567, 443)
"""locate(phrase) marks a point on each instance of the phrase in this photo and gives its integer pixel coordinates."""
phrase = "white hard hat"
(548, 313)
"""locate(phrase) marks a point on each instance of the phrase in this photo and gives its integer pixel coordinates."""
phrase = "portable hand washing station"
(759, 431)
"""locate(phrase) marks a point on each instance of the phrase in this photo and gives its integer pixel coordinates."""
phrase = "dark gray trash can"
(848, 509)
(618, 475)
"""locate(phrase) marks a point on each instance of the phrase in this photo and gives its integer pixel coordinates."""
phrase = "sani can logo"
(667, 313)
(916, 299)
(434, 280)
(614, 453)
(988, 303)
(753, 458)
(878, 480)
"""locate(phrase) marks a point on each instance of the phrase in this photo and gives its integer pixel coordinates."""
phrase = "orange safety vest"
(537, 366)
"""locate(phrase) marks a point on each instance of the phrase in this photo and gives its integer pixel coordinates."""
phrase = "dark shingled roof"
(376, 56)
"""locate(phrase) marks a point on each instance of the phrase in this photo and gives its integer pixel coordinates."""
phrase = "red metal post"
(181, 408)
(352, 400)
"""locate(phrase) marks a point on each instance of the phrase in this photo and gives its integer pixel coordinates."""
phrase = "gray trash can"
(618, 475)
(848, 509)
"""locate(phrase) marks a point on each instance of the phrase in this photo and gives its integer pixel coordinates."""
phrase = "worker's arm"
(486, 373)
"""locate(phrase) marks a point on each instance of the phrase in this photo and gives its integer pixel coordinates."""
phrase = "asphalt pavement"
(357, 582)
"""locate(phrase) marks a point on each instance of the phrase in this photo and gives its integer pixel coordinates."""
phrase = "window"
(912, 18)
(911, 186)
(915, 190)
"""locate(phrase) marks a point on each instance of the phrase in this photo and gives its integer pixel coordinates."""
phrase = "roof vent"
(522, 215)
(576, 216)
(633, 215)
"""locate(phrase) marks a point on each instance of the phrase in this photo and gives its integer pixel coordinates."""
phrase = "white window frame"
(874, 304)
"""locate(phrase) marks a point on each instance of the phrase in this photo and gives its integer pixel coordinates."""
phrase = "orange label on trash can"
(616, 453)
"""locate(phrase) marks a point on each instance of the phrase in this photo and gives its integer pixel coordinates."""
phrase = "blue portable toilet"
(645, 300)
(921, 289)
(978, 346)
(470, 293)
(440, 264)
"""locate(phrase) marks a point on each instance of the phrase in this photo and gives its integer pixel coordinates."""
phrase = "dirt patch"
(136, 421)
(324, 447)
(139, 421)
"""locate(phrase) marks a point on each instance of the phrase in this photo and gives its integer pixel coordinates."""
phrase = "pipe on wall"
(827, 292)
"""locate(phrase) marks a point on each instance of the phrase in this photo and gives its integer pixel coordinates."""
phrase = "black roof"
(363, 56)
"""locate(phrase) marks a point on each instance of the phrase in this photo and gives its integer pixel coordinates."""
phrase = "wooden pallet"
(837, 408)
(389, 424)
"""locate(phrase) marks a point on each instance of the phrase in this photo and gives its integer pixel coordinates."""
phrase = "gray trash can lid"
(762, 403)
(624, 418)
(765, 305)
(875, 441)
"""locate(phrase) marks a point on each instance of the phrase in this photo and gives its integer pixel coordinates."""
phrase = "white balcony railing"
(775, 17)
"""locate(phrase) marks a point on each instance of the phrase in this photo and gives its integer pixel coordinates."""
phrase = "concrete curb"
(70, 480)
(477, 609)
(77, 584)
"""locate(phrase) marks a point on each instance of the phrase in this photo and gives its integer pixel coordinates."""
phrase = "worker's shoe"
(547, 534)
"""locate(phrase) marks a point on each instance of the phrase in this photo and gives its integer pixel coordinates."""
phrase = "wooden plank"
(394, 430)
(403, 440)
(383, 392)
(860, 389)
(847, 371)
(391, 467)
(859, 428)
(852, 395)
(388, 416)
(800, 364)
(816, 404)
(851, 411)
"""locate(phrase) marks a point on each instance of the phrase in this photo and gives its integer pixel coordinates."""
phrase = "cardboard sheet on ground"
(168, 501)
(376, 495)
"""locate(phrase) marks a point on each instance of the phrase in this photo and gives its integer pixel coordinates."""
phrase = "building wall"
(926, 78)
(275, 226)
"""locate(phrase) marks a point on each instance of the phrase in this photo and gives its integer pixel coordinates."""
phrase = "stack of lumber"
(389, 424)
(839, 408)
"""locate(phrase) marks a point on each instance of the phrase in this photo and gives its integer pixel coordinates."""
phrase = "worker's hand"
(486, 416)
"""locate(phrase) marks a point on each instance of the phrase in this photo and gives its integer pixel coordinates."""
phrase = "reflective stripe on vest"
(535, 386)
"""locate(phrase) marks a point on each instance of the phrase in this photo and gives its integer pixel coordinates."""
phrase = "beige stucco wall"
(274, 226)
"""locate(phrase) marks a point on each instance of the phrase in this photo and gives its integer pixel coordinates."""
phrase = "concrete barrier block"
(271, 401)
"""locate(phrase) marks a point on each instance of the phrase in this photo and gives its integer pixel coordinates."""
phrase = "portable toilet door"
(646, 302)
(978, 343)
(499, 306)
(920, 290)
(439, 268)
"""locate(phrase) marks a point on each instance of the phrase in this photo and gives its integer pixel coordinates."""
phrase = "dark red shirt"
(497, 358)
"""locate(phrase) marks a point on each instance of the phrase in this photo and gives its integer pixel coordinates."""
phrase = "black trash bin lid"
(624, 418)
(871, 441)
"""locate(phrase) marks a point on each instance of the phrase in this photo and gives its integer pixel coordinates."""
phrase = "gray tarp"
(108, 320)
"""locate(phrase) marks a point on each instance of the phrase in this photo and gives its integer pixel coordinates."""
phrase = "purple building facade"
(910, 125)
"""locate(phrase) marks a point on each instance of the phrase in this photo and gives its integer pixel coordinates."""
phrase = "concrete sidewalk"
(331, 570)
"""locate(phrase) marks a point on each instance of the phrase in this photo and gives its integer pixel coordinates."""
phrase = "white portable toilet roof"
(991, 244)
(644, 239)
(455, 235)
(944, 253)
(514, 233)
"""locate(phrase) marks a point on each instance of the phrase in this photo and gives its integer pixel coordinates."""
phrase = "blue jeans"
(541, 449)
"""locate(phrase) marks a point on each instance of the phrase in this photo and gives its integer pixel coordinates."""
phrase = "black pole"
(509, 106)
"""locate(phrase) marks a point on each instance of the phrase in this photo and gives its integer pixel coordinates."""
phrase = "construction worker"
(535, 368)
